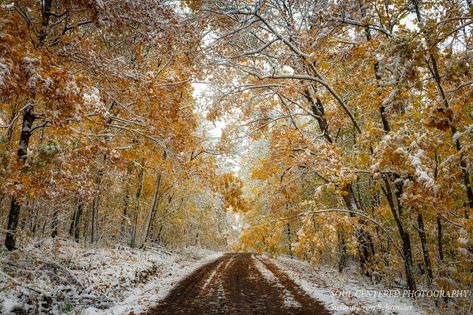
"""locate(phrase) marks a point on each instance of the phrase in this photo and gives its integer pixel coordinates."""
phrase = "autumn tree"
(366, 111)
(97, 100)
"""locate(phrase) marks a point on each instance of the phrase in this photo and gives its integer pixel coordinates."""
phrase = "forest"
(161, 134)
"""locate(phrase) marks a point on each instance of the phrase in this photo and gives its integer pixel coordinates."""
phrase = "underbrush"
(60, 277)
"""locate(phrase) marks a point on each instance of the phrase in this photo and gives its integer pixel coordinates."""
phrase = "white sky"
(200, 90)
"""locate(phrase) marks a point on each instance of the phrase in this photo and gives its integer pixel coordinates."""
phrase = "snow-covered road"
(239, 284)
(121, 281)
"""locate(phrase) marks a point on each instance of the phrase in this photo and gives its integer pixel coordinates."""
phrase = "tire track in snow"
(288, 297)
(237, 284)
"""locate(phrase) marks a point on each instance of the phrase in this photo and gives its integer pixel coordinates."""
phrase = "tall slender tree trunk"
(407, 253)
(152, 209)
(425, 249)
(125, 220)
(85, 232)
(96, 203)
(365, 240)
(405, 238)
(439, 238)
(126, 204)
(74, 230)
(137, 204)
(94, 219)
(2, 196)
(342, 250)
(408, 265)
(46, 14)
(14, 215)
(366, 246)
(34, 220)
(55, 223)
(26, 129)
(158, 238)
(289, 239)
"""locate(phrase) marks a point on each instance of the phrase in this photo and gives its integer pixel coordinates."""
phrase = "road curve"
(238, 284)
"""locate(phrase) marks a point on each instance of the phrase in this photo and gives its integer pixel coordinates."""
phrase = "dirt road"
(238, 284)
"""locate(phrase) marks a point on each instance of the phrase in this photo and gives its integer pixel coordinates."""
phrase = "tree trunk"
(342, 250)
(73, 220)
(406, 243)
(425, 249)
(405, 238)
(95, 217)
(366, 249)
(34, 219)
(366, 246)
(466, 181)
(74, 230)
(46, 14)
(137, 203)
(408, 265)
(152, 209)
(126, 204)
(28, 119)
(54, 224)
(158, 238)
(85, 232)
(14, 215)
(319, 112)
(289, 239)
(96, 204)
(439, 238)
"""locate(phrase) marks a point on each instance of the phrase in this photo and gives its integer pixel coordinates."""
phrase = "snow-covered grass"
(60, 277)
(139, 299)
(346, 293)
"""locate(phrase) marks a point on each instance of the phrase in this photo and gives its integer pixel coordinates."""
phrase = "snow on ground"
(60, 277)
(141, 298)
(289, 300)
(344, 293)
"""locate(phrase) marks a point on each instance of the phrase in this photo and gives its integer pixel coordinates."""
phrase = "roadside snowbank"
(140, 298)
(61, 277)
(344, 293)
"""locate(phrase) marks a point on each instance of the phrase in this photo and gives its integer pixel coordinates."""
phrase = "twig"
(21, 284)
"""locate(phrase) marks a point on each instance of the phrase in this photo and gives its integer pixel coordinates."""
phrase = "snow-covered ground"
(348, 293)
(59, 277)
